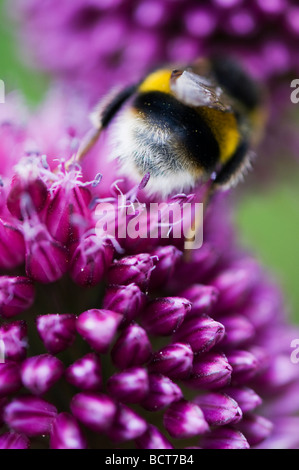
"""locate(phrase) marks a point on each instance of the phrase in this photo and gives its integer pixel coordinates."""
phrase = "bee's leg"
(233, 171)
(101, 117)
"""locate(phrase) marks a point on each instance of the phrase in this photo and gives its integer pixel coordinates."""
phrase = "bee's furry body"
(182, 126)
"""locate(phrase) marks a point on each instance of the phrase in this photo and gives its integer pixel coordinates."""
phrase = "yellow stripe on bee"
(225, 129)
(157, 81)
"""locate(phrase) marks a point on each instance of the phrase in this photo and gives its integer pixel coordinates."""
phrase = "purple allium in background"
(135, 342)
(114, 41)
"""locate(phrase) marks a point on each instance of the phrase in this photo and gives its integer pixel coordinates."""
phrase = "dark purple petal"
(238, 330)
(40, 373)
(235, 284)
(16, 295)
(202, 297)
(66, 433)
(127, 425)
(132, 348)
(127, 300)
(20, 187)
(255, 428)
(12, 246)
(90, 260)
(85, 373)
(31, 416)
(174, 360)
(153, 439)
(129, 386)
(246, 398)
(14, 337)
(162, 392)
(46, 259)
(98, 328)
(219, 409)
(68, 213)
(10, 380)
(164, 268)
(244, 365)
(184, 419)
(57, 331)
(132, 269)
(96, 411)
(201, 332)
(280, 373)
(224, 438)
(210, 371)
(163, 316)
(12, 440)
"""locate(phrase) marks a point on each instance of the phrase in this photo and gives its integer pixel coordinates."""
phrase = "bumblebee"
(184, 125)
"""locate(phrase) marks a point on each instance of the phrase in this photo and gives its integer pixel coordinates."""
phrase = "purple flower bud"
(16, 295)
(280, 373)
(85, 373)
(96, 411)
(202, 333)
(127, 425)
(132, 269)
(68, 214)
(219, 409)
(264, 305)
(162, 392)
(29, 415)
(132, 348)
(237, 330)
(203, 298)
(255, 428)
(210, 371)
(66, 433)
(224, 438)
(127, 300)
(31, 186)
(244, 365)
(184, 419)
(10, 380)
(98, 328)
(12, 440)
(12, 246)
(174, 360)
(40, 373)
(129, 386)
(235, 284)
(14, 337)
(163, 316)
(46, 259)
(246, 398)
(57, 331)
(164, 268)
(90, 260)
(153, 439)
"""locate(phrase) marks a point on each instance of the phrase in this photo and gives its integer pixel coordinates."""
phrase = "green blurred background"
(268, 220)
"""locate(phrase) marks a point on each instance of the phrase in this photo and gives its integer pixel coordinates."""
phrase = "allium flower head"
(111, 340)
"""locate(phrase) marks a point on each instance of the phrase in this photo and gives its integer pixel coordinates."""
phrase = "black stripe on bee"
(182, 123)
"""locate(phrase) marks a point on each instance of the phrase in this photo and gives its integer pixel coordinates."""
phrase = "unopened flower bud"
(66, 433)
(40, 373)
(132, 348)
(85, 373)
(57, 331)
(163, 316)
(16, 295)
(98, 328)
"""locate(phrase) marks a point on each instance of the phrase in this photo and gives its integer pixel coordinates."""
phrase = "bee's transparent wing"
(196, 90)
